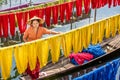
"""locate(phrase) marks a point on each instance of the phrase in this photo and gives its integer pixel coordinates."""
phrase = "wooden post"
(95, 13)
(10, 3)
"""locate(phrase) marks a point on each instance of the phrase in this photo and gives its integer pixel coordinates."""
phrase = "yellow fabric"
(119, 24)
(42, 52)
(55, 48)
(21, 58)
(32, 56)
(95, 30)
(67, 44)
(84, 37)
(101, 30)
(113, 26)
(89, 28)
(6, 62)
(80, 43)
(107, 28)
(75, 41)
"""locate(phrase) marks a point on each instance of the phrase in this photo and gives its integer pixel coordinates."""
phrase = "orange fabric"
(31, 35)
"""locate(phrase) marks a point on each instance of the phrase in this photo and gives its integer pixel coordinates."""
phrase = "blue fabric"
(73, 61)
(106, 72)
(95, 50)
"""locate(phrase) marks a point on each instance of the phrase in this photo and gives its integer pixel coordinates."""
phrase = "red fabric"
(1, 26)
(41, 13)
(79, 7)
(12, 24)
(93, 3)
(87, 6)
(34, 74)
(62, 11)
(47, 15)
(33, 13)
(22, 21)
(109, 3)
(69, 7)
(81, 57)
(5, 25)
(114, 3)
(118, 2)
(55, 14)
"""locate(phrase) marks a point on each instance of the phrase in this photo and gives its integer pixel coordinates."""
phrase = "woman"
(35, 31)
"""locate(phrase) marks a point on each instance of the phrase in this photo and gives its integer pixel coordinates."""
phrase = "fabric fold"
(55, 14)
(6, 62)
(12, 23)
(78, 7)
(21, 58)
(22, 21)
(48, 16)
(55, 48)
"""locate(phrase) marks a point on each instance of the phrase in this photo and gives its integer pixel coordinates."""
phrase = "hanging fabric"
(22, 21)
(62, 11)
(87, 6)
(113, 26)
(5, 25)
(69, 8)
(32, 57)
(55, 14)
(55, 48)
(67, 44)
(21, 58)
(12, 23)
(88, 36)
(95, 35)
(6, 62)
(110, 3)
(115, 3)
(107, 28)
(101, 30)
(1, 26)
(80, 44)
(41, 13)
(84, 37)
(42, 52)
(93, 3)
(33, 13)
(48, 16)
(118, 2)
(75, 41)
(119, 24)
(78, 7)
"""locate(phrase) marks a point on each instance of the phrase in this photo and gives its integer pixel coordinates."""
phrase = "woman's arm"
(54, 32)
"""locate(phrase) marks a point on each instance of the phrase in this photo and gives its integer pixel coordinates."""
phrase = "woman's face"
(35, 23)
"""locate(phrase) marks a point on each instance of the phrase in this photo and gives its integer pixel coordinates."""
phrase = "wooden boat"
(64, 67)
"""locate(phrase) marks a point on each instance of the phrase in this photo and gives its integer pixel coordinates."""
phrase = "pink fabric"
(79, 7)
(81, 57)
(55, 14)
